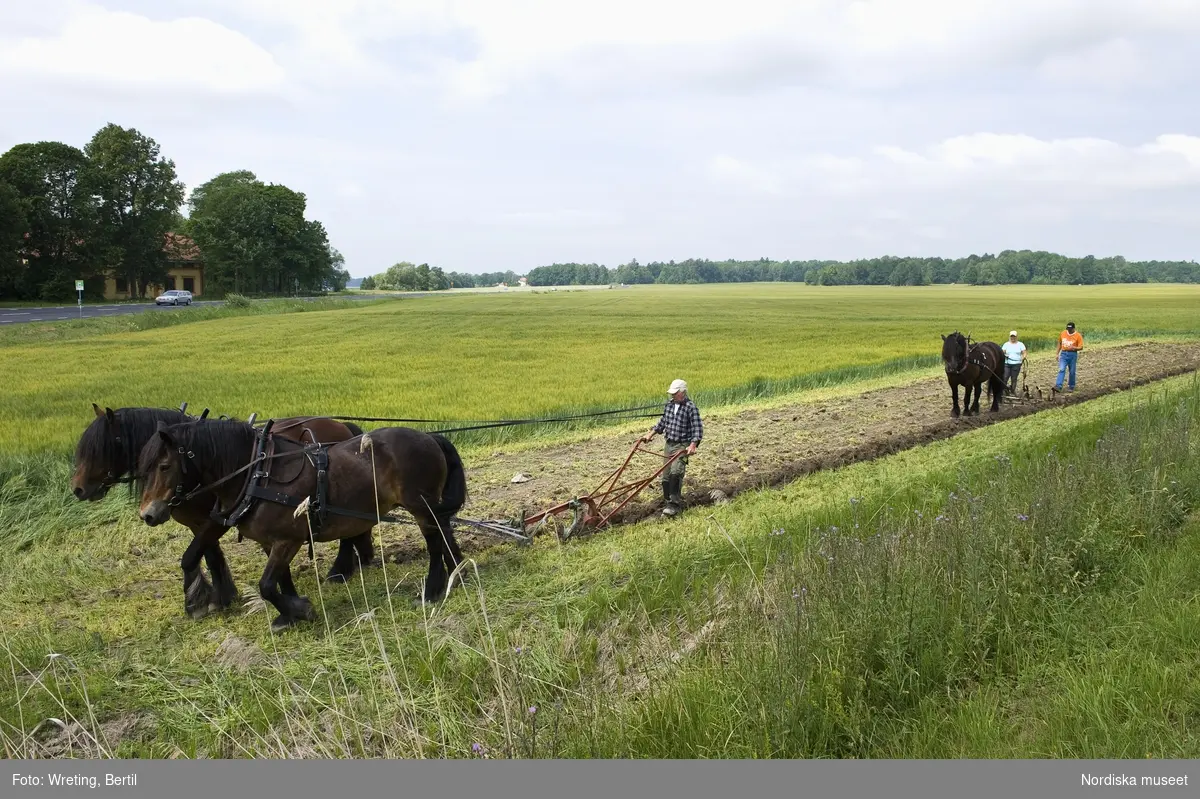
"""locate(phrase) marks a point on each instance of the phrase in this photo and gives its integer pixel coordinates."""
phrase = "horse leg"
(347, 561)
(198, 600)
(997, 387)
(222, 579)
(277, 574)
(451, 555)
(973, 392)
(954, 392)
(435, 581)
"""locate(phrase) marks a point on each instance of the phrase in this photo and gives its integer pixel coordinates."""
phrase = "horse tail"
(354, 429)
(454, 492)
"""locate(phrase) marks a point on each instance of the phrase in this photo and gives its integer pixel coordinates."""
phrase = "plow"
(582, 514)
(585, 513)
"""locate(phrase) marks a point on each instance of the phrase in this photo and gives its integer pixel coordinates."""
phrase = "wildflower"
(533, 710)
(941, 517)
(1021, 517)
(833, 529)
(518, 650)
(855, 500)
(919, 514)
(780, 531)
(477, 748)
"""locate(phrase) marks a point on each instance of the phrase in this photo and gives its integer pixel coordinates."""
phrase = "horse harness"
(129, 456)
(972, 359)
(256, 487)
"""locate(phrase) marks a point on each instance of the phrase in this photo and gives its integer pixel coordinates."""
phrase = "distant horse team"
(314, 479)
(971, 365)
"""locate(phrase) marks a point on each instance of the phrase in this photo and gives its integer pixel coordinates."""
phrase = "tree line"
(113, 209)
(1007, 267)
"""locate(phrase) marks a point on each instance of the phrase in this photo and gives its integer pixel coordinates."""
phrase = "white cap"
(1012, 332)
(677, 386)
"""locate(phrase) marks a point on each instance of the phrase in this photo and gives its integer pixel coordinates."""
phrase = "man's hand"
(646, 438)
(691, 450)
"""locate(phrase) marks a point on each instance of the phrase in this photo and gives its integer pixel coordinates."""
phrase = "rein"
(189, 465)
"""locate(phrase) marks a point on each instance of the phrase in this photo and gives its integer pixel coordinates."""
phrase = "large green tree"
(139, 196)
(13, 227)
(255, 238)
(56, 205)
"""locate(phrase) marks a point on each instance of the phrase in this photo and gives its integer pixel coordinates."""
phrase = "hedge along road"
(58, 313)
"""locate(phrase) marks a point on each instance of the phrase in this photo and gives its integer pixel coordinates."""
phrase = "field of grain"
(516, 355)
(994, 587)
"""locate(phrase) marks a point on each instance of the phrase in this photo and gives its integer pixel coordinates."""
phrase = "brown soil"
(754, 449)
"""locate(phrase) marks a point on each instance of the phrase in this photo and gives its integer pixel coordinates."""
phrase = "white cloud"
(96, 45)
(1069, 164)
(745, 45)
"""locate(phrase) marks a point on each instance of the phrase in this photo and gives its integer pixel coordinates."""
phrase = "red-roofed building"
(185, 270)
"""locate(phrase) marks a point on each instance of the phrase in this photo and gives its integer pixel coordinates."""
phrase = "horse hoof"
(282, 623)
(199, 613)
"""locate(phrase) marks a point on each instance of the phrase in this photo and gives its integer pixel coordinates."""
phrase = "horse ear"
(164, 435)
(943, 337)
(112, 417)
(96, 408)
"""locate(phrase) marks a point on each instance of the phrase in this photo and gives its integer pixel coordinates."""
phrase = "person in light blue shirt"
(1014, 358)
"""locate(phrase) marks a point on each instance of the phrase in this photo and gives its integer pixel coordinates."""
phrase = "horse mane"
(134, 426)
(219, 445)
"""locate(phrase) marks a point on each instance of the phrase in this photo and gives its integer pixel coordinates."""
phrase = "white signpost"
(79, 290)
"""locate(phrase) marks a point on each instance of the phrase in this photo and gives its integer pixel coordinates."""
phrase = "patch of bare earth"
(754, 449)
(55, 738)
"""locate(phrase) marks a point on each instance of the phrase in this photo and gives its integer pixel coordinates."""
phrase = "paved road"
(58, 313)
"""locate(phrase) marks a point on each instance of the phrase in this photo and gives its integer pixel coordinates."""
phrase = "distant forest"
(1008, 267)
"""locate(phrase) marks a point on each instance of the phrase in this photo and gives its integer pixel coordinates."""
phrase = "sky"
(486, 135)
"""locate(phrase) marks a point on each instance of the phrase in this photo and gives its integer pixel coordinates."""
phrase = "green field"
(515, 355)
(1022, 590)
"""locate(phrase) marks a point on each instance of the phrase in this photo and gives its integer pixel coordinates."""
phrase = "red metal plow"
(595, 510)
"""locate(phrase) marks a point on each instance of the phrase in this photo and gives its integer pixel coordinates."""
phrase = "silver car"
(174, 297)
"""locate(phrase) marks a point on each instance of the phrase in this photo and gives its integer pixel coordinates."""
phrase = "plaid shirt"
(680, 422)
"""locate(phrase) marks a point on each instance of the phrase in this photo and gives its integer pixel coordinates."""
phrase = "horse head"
(954, 352)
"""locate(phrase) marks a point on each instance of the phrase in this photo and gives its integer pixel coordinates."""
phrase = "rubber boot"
(677, 492)
(669, 508)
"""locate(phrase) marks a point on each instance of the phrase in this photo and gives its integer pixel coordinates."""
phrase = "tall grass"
(1022, 590)
(1035, 608)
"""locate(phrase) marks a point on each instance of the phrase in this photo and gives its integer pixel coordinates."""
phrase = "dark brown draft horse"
(344, 488)
(971, 365)
(107, 454)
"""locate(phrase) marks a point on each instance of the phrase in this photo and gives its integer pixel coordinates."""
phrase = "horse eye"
(162, 467)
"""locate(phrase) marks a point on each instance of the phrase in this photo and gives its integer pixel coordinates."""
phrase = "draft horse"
(970, 365)
(334, 492)
(107, 454)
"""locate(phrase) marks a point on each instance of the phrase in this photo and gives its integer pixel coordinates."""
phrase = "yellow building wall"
(175, 280)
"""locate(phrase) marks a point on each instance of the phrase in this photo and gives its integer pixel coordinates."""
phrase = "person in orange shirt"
(1070, 344)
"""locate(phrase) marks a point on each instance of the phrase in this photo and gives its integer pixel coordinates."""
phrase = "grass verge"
(974, 600)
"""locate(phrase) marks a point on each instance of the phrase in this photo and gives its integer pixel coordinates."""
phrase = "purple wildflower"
(533, 710)
(476, 748)
(1021, 517)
